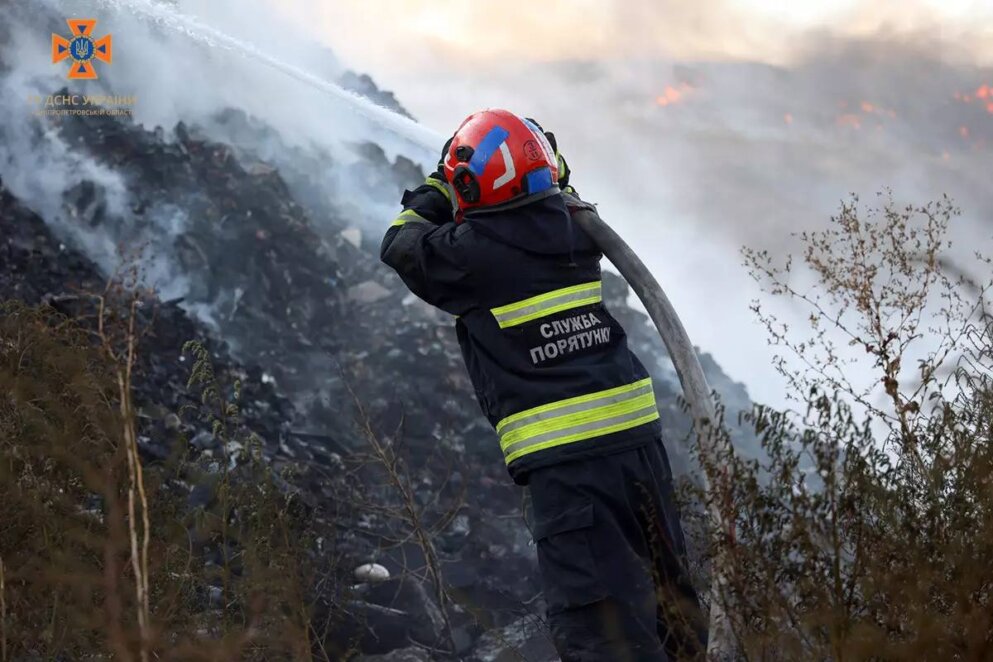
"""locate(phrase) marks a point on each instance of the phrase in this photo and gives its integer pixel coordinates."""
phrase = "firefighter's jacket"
(550, 365)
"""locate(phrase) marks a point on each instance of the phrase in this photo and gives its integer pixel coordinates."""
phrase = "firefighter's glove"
(564, 171)
(439, 172)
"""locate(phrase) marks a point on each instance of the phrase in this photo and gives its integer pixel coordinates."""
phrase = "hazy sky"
(402, 35)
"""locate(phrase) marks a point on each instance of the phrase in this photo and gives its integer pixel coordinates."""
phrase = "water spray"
(417, 135)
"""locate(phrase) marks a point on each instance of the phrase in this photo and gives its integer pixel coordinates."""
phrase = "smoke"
(697, 127)
(451, 34)
(746, 153)
(176, 70)
(35, 162)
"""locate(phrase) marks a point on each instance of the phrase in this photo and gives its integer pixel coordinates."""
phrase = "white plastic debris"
(353, 236)
(371, 572)
(173, 422)
(367, 292)
(258, 169)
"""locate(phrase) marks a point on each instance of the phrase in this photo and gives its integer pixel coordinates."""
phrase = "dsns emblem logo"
(82, 49)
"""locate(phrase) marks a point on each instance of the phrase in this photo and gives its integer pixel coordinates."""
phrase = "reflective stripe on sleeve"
(519, 312)
(575, 419)
(407, 216)
(431, 181)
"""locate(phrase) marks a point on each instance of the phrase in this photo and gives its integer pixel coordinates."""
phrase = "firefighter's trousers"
(613, 560)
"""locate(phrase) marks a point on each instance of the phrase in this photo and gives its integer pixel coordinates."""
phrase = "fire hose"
(691, 378)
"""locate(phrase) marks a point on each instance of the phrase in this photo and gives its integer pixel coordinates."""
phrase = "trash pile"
(283, 282)
(364, 85)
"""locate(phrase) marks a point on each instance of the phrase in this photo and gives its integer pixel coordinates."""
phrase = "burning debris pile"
(337, 361)
(673, 94)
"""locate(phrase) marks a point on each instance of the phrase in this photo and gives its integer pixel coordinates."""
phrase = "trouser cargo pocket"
(568, 569)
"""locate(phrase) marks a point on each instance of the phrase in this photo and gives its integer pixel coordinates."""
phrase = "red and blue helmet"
(497, 157)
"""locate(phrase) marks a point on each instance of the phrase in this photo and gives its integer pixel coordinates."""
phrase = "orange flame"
(788, 118)
(673, 95)
(964, 131)
(983, 94)
(867, 107)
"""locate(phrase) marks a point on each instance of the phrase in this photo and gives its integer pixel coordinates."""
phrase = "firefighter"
(489, 238)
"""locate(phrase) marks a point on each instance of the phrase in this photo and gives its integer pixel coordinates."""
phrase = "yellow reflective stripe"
(577, 418)
(580, 408)
(568, 402)
(588, 434)
(542, 305)
(561, 423)
(431, 181)
(541, 298)
(408, 215)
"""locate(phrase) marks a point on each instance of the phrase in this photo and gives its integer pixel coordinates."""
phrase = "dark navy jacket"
(550, 365)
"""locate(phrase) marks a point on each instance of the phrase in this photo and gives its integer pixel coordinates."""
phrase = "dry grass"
(866, 532)
(100, 554)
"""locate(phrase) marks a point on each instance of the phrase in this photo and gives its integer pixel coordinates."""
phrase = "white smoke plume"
(691, 160)
(178, 69)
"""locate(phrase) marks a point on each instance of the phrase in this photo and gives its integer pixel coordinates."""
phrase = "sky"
(696, 126)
